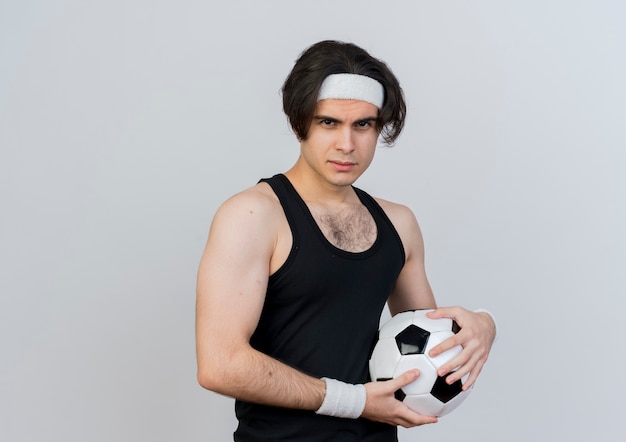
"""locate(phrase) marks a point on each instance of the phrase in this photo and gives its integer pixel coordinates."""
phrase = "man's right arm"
(232, 282)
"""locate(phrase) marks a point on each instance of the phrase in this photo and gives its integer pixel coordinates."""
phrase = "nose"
(345, 140)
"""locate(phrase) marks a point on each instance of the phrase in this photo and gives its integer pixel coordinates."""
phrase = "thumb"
(405, 378)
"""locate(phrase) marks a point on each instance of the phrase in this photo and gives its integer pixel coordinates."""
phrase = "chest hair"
(349, 228)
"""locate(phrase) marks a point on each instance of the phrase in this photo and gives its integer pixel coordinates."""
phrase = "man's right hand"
(382, 405)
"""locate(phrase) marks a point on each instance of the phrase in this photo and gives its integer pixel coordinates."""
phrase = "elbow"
(208, 378)
(218, 373)
(221, 369)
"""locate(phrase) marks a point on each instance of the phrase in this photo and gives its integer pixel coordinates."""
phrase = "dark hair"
(325, 58)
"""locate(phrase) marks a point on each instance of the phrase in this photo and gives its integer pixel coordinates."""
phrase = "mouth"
(343, 166)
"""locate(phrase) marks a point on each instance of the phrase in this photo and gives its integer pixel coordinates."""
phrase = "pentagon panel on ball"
(403, 344)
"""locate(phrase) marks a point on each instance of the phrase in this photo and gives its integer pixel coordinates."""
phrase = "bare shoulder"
(403, 219)
(248, 219)
(256, 206)
(257, 200)
(400, 215)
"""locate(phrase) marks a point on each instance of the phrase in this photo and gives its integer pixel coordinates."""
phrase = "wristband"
(482, 310)
(342, 399)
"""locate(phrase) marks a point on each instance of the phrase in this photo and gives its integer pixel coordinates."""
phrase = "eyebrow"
(336, 120)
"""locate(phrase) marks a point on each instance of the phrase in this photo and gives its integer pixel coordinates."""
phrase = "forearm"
(252, 376)
(255, 377)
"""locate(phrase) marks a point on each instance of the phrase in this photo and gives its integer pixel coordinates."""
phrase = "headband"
(352, 87)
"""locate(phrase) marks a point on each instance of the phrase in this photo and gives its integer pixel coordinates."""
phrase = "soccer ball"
(403, 344)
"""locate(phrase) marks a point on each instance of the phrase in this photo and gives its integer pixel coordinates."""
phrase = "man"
(298, 268)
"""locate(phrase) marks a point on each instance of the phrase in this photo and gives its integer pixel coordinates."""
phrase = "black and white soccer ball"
(403, 344)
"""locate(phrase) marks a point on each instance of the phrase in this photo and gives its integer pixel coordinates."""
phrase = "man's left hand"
(476, 336)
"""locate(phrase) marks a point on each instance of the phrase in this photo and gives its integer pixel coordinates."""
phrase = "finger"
(472, 366)
(442, 312)
(466, 358)
(447, 344)
(413, 419)
(410, 423)
(461, 364)
(405, 378)
(473, 375)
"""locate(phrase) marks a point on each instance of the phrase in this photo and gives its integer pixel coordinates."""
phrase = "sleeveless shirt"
(321, 316)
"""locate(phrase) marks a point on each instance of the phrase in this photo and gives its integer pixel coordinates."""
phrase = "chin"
(344, 179)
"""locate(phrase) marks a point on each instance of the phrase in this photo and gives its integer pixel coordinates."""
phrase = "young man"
(298, 268)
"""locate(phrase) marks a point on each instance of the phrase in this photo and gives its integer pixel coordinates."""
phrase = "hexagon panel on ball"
(384, 359)
(396, 324)
(424, 382)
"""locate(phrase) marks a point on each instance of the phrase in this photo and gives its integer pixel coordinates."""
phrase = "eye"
(327, 122)
(365, 124)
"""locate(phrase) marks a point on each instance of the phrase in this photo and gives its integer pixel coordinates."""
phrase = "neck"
(313, 188)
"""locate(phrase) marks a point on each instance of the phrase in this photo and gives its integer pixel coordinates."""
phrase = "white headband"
(352, 87)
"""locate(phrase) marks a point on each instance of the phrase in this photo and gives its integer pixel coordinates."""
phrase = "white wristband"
(342, 399)
(493, 318)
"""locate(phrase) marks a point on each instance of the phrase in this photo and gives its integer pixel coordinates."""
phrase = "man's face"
(341, 141)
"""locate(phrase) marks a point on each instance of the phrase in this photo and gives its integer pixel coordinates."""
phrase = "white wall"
(125, 123)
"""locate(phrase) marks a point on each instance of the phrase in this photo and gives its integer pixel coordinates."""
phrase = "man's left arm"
(412, 291)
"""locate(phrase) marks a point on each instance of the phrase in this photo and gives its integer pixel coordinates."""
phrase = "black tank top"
(321, 315)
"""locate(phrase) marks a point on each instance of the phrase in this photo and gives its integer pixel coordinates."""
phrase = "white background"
(125, 123)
